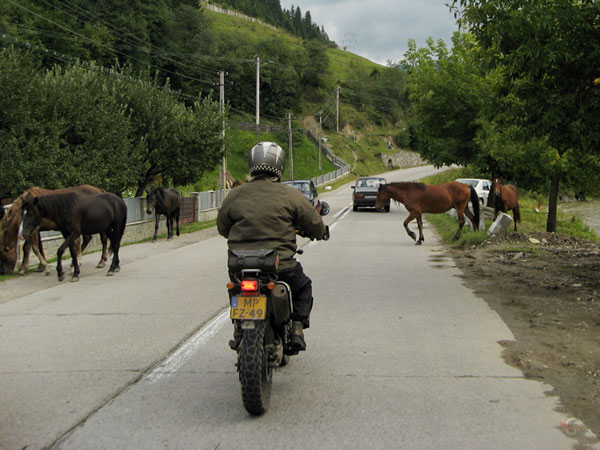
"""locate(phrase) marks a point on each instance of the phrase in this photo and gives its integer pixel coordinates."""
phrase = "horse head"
(31, 216)
(154, 197)
(383, 196)
(497, 186)
(9, 227)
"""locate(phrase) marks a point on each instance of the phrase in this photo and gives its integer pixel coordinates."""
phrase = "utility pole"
(290, 143)
(222, 109)
(257, 92)
(337, 109)
(320, 136)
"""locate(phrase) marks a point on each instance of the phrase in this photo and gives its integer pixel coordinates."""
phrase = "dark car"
(308, 189)
(365, 193)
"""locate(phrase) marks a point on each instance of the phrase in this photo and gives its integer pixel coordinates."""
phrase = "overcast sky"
(379, 29)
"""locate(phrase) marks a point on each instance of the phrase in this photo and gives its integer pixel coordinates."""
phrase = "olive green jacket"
(264, 214)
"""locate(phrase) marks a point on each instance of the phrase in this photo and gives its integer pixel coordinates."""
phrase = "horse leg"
(59, 255)
(155, 232)
(78, 249)
(406, 222)
(104, 256)
(26, 251)
(36, 246)
(73, 250)
(421, 237)
(177, 220)
(114, 244)
(461, 223)
(169, 226)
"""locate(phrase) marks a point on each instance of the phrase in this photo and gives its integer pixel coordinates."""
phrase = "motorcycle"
(261, 309)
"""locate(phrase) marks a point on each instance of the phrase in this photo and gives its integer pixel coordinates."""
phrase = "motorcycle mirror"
(325, 208)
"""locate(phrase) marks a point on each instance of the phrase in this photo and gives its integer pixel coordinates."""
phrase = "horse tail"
(475, 203)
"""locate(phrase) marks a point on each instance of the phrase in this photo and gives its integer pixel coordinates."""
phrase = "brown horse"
(9, 230)
(419, 198)
(76, 215)
(504, 198)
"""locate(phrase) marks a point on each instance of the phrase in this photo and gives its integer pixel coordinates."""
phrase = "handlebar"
(325, 236)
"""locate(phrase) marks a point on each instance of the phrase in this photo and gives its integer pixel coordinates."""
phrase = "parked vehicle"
(365, 193)
(482, 187)
(308, 189)
(261, 307)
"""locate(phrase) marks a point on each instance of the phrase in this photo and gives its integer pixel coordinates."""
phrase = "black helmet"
(266, 157)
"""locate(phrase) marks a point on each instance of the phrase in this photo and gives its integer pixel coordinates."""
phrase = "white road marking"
(177, 359)
(343, 213)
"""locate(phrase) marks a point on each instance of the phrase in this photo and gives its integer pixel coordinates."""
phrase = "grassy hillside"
(360, 149)
(249, 31)
(342, 63)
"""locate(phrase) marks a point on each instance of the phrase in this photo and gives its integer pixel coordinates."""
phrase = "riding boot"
(234, 344)
(297, 336)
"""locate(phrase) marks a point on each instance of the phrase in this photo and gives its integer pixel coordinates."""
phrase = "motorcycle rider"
(264, 214)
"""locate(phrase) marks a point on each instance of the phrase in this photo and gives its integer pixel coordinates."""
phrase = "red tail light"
(249, 285)
(358, 196)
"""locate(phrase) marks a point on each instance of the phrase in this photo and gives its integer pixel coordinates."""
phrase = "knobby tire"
(254, 371)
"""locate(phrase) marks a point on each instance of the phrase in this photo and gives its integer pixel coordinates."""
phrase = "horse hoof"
(74, 279)
(153, 241)
(101, 265)
(418, 242)
(110, 273)
(61, 277)
(117, 269)
(47, 273)
(21, 273)
(40, 269)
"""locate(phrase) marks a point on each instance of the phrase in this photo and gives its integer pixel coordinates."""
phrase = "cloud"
(380, 29)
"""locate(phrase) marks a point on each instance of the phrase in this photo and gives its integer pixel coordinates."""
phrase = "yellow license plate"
(248, 308)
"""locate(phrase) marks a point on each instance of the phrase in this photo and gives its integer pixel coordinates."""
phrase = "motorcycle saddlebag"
(264, 259)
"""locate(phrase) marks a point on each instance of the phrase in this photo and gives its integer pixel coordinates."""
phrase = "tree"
(169, 140)
(447, 90)
(60, 128)
(546, 55)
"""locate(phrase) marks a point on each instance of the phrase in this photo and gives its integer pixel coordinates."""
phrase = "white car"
(482, 187)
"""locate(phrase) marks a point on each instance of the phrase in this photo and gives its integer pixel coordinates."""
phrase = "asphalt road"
(400, 354)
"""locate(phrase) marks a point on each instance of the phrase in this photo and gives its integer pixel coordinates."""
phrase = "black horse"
(166, 202)
(75, 215)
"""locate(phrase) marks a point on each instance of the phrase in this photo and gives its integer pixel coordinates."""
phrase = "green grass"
(532, 219)
(247, 31)
(343, 63)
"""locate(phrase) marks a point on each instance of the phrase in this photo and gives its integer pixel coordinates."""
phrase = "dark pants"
(301, 286)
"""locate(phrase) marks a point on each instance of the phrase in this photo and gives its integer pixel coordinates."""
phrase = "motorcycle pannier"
(264, 259)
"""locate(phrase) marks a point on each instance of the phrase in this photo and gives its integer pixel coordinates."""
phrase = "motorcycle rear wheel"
(255, 373)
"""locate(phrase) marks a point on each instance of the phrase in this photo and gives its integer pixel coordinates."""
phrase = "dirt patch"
(546, 288)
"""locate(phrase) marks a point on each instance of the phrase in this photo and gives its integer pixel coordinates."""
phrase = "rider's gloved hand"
(326, 235)
(319, 207)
